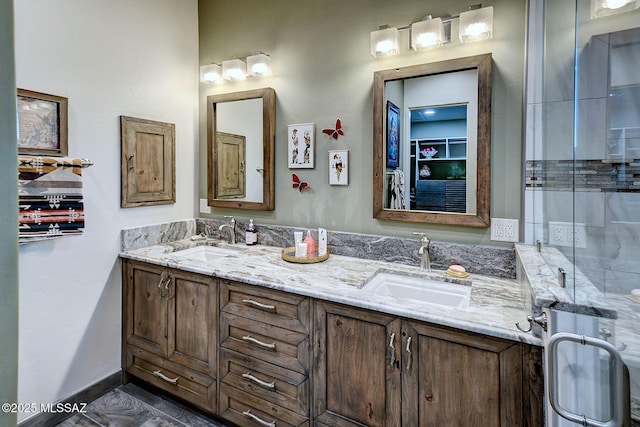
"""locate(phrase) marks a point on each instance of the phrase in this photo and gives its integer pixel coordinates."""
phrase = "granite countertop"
(494, 307)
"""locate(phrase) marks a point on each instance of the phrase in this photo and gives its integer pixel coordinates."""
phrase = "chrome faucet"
(232, 229)
(424, 252)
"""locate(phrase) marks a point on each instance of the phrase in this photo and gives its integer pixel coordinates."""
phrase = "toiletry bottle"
(311, 244)
(322, 241)
(251, 235)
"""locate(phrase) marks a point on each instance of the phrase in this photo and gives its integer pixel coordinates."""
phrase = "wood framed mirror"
(432, 142)
(241, 149)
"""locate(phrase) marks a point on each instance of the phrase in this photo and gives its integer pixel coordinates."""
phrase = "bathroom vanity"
(276, 343)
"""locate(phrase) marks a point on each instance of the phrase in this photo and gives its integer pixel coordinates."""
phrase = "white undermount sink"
(206, 253)
(418, 288)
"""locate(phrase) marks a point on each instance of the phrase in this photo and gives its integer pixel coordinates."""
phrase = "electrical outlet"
(505, 230)
(567, 234)
(204, 207)
(558, 233)
(579, 232)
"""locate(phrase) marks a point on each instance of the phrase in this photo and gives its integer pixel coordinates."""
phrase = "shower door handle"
(618, 411)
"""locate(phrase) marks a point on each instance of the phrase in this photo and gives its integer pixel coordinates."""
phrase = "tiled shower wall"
(608, 176)
(607, 201)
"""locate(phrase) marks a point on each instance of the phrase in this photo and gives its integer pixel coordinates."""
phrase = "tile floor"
(133, 406)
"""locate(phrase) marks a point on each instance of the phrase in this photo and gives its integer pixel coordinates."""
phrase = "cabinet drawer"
(247, 410)
(265, 381)
(192, 386)
(281, 347)
(429, 186)
(266, 305)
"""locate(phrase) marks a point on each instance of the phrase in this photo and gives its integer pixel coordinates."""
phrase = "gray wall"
(322, 70)
(8, 217)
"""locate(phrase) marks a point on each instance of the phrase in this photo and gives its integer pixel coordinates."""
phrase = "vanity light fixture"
(385, 41)
(601, 8)
(234, 69)
(427, 34)
(211, 73)
(259, 65)
(475, 24)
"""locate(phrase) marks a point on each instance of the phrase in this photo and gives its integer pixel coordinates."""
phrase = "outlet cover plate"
(505, 230)
(567, 234)
(204, 208)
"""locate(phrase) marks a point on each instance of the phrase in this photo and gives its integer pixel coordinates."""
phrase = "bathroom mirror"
(240, 149)
(432, 142)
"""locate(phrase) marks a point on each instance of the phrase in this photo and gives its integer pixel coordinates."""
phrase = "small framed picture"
(393, 135)
(42, 123)
(302, 146)
(339, 167)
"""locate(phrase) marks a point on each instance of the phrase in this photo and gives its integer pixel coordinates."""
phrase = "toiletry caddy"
(288, 254)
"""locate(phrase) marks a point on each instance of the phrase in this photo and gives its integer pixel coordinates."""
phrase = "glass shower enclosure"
(582, 195)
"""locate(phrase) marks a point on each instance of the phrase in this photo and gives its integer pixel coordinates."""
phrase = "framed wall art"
(301, 146)
(42, 123)
(339, 167)
(393, 135)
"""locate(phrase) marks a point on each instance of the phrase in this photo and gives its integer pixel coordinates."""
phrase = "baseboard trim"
(86, 395)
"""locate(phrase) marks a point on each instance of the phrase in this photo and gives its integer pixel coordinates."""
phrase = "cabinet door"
(193, 321)
(146, 307)
(231, 161)
(453, 378)
(356, 367)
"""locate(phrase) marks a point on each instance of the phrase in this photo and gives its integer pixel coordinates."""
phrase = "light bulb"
(614, 4)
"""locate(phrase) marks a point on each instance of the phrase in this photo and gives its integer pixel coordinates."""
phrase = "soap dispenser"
(251, 234)
(311, 244)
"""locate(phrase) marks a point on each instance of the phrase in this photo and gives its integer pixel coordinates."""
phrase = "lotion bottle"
(322, 241)
(311, 244)
(251, 234)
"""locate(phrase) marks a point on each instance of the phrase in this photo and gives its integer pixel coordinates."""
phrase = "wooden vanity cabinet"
(170, 323)
(455, 378)
(356, 371)
(264, 356)
(287, 360)
(379, 370)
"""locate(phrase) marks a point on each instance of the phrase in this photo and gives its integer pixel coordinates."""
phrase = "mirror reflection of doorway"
(438, 158)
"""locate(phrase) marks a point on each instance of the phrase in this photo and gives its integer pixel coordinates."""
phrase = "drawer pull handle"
(259, 343)
(392, 344)
(409, 355)
(166, 288)
(164, 377)
(162, 279)
(259, 305)
(270, 386)
(257, 419)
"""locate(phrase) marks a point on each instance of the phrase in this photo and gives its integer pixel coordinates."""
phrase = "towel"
(396, 190)
(51, 203)
(400, 184)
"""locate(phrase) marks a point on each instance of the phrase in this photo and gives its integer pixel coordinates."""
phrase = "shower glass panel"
(582, 165)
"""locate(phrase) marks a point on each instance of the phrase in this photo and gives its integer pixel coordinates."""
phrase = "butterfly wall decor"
(334, 133)
(299, 184)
